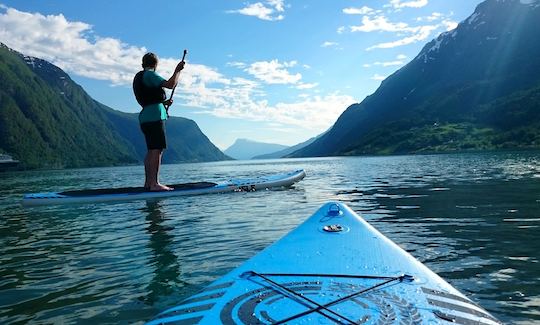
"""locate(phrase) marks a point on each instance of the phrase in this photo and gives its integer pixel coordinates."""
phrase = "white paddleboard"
(135, 193)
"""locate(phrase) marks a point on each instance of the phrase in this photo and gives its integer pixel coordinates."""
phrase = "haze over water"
(471, 218)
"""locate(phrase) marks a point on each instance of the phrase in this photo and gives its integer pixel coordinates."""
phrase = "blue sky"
(272, 70)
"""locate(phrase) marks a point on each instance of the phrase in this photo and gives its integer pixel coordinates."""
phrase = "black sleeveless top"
(145, 95)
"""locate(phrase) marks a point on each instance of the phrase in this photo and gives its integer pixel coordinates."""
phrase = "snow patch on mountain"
(30, 61)
(437, 45)
(472, 18)
(532, 3)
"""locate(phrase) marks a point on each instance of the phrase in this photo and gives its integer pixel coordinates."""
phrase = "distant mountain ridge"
(287, 151)
(244, 149)
(48, 121)
(474, 88)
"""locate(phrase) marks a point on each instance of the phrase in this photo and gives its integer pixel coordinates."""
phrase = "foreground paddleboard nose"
(335, 268)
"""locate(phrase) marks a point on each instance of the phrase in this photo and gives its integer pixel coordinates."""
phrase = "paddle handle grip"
(184, 56)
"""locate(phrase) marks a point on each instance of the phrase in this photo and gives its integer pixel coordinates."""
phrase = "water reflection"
(166, 276)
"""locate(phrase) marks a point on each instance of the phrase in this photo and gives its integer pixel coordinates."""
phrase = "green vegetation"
(511, 122)
(48, 121)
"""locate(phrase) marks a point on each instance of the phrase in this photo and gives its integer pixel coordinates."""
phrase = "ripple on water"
(471, 218)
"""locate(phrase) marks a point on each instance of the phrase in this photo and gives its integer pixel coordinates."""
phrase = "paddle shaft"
(174, 88)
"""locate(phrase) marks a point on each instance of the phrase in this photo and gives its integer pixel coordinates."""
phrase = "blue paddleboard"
(334, 268)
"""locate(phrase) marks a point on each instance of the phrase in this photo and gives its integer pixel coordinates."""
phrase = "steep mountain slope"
(48, 121)
(452, 95)
(247, 149)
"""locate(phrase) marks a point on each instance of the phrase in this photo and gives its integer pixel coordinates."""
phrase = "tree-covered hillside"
(473, 88)
(48, 121)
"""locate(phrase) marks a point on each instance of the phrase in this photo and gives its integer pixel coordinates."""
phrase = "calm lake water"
(472, 218)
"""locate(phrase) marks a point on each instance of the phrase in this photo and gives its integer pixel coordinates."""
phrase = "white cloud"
(398, 4)
(389, 63)
(420, 33)
(433, 17)
(445, 20)
(244, 99)
(274, 72)
(67, 45)
(341, 29)
(378, 77)
(315, 113)
(307, 85)
(236, 64)
(450, 24)
(277, 4)
(358, 11)
(206, 98)
(194, 75)
(266, 11)
(290, 64)
(400, 60)
(78, 50)
(379, 23)
(413, 34)
(329, 44)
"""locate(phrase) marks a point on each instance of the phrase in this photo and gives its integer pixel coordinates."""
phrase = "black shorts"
(154, 133)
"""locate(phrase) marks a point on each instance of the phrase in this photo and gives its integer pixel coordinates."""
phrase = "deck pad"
(131, 190)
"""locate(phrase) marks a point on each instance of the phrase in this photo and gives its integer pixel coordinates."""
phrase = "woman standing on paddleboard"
(148, 88)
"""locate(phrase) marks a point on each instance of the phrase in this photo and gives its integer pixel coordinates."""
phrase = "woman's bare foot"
(160, 188)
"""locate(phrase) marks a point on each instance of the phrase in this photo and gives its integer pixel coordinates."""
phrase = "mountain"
(48, 121)
(473, 88)
(287, 151)
(244, 149)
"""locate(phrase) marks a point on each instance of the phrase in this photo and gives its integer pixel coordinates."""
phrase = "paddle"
(174, 88)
